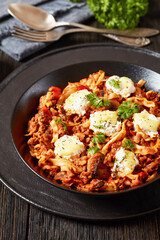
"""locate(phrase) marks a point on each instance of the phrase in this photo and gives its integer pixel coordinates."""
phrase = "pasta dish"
(100, 134)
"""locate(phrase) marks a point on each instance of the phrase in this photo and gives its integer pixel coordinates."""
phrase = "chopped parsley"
(59, 120)
(114, 83)
(128, 144)
(97, 101)
(122, 14)
(93, 150)
(126, 109)
(98, 126)
(99, 138)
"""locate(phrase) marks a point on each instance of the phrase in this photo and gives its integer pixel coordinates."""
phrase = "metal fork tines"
(29, 34)
(48, 36)
(55, 35)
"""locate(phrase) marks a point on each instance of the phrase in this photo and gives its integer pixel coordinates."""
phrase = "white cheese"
(125, 162)
(147, 122)
(126, 86)
(67, 146)
(77, 102)
(105, 122)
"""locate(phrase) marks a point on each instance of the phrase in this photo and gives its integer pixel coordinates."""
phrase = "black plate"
(18, 101)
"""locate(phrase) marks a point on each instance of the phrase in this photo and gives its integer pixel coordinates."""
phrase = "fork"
(55, 35)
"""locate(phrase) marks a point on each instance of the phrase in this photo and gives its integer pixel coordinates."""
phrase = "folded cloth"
(62, 10)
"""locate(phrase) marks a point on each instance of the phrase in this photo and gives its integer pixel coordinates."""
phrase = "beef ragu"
(100, 134)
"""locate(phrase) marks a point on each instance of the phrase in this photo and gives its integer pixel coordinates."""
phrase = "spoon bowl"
(38, 19)
(32, 16)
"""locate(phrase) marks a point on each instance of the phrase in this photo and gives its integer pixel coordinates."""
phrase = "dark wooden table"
(19, 220)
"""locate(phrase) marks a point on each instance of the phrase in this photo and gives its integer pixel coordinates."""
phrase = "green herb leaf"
(122, 14)
(128, 144)
(96, 101)
(126, 109)
(98, 126)
(59, 120)
(114, 83)
(106, 103)
(99, 138)
(93, 150)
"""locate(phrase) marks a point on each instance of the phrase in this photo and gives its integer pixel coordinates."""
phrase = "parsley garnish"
(96, 101)
(93, 150)
(98, 126)
(126, 109)
(59, 120)
(99, 138)
(128, 144)
(114, 83)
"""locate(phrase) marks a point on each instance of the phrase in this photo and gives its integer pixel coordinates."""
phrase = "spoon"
(38, 19)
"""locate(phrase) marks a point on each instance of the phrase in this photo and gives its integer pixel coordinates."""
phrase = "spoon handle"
(136, 32)
(137, 42)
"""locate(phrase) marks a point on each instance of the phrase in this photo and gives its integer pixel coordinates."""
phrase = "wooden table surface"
(19, 220)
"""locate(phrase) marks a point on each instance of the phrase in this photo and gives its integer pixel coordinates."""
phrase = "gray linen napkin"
(62, 10)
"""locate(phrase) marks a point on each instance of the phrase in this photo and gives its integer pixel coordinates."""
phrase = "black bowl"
(28, 103)
(19, 95)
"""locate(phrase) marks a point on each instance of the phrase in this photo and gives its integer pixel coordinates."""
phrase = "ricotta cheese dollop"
(125, 162)
(147, 122)
(105, 122)
(67, 146)
(121, 85)
(77, 102)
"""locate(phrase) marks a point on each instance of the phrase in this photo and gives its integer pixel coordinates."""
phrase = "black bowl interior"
(26, 107)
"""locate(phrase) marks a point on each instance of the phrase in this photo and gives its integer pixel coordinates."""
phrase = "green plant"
(121, 14)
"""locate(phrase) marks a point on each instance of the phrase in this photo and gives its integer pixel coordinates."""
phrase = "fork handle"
(137, 42)
(135, 32)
